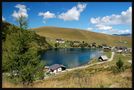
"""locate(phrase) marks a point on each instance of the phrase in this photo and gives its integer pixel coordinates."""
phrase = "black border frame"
(67, 1)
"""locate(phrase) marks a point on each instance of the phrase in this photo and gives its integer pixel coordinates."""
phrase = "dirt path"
(111, 58)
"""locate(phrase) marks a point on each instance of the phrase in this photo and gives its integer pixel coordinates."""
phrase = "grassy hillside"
(80, 35)
(6, 29)
(96, 76)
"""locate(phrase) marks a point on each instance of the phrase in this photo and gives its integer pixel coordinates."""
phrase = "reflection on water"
(70, 57)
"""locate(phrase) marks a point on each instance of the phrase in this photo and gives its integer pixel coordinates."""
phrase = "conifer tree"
(21, 55)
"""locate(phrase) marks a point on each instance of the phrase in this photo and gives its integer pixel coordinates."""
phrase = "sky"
(102, 17)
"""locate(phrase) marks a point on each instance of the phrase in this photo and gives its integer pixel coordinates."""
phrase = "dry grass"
(123, 80)
(6, 84)
(80, 35)
(97, 76)
(102, 79)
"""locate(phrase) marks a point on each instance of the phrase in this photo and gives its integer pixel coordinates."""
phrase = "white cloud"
(103, 27)
(95, 20)
(124, 18)
(22, 12)
(73, 13)
(124, 31)
(90, 29)
(3, 19)
(118, 31)
(47, 15)
(106, 23)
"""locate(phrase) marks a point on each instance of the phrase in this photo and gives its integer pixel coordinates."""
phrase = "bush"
(119, 64)
(119, 67)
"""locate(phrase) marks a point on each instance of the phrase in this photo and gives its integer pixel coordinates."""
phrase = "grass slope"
(96, 76)
(80, 35)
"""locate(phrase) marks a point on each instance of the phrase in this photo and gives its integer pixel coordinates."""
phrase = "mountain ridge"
(127, 34)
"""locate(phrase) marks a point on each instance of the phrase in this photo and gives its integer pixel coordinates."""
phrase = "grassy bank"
(97, 76)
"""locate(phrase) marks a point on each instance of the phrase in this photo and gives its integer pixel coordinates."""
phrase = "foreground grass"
(97, 76)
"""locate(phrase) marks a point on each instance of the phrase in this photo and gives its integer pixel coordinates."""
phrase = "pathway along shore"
(110, 59)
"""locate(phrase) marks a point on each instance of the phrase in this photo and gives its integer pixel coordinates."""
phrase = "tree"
(119, 64)
(56, 45)
(21, 55)
(71, 44)
(119, 67)
(89, 45)
(7, 28)
(22, 22)
(83, 42)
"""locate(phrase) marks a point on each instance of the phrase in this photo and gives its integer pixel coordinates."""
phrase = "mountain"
(128, 35)
(80, 35)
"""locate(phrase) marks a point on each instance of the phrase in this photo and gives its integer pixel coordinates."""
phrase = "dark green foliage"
(119, 63)
(7, 28)
(56, 45)
(20, 55)
(71, 44)
(119, 67)
(89, 46)
(42, 43)
(83, 44)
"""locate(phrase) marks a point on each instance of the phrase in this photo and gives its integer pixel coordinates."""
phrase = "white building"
(60, 41)
(56, 68)
(103, 58)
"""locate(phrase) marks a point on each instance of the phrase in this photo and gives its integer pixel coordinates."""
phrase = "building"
(93, 45)
(103, 58)
(106, 48)
(56, 68)
(121, 49)
(76, 43)
(60, 41)
(130, 50)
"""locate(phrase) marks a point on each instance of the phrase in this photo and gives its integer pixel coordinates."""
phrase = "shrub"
(119, 64)
(119, 67)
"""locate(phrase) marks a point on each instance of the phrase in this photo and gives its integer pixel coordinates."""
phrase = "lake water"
(70, 57)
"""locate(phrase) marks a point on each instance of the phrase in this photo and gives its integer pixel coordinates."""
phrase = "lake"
(70, 57)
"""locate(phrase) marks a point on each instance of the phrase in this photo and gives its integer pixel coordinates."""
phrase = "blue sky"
(102, 17)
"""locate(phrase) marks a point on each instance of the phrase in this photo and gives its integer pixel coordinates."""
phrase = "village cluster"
(54, 69)
(57, 68)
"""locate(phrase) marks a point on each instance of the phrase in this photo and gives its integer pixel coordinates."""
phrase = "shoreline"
(87, 65)
(84, 66)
